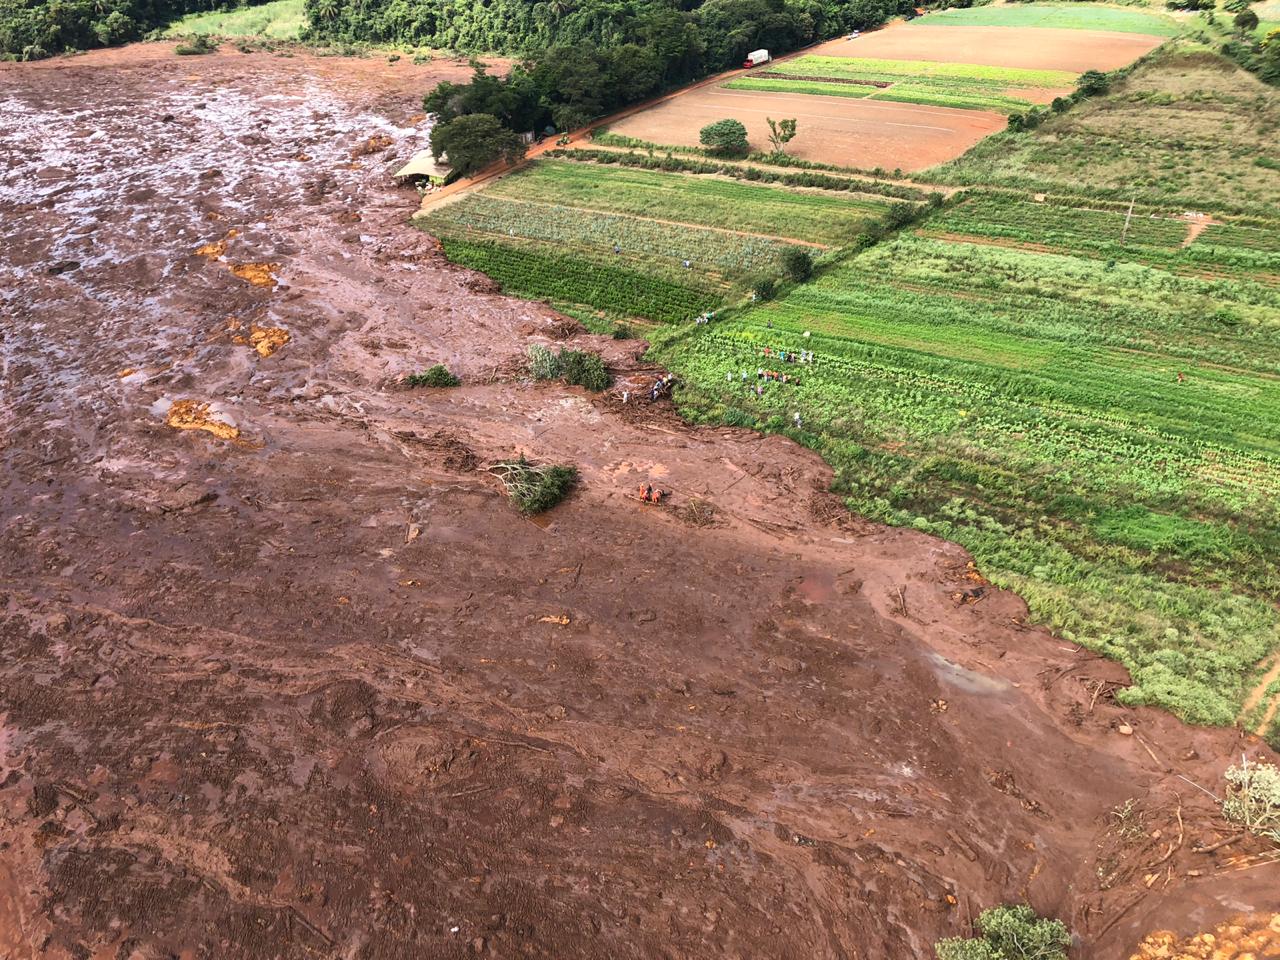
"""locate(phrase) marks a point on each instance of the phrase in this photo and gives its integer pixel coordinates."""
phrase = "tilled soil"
(298, 682)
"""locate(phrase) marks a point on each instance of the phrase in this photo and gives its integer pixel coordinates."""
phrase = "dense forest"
(689, 37)
(30, 29)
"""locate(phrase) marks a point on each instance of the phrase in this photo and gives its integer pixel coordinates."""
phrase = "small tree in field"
(1246, 22)
(781, 132)
(1093, 83)
(724, 138)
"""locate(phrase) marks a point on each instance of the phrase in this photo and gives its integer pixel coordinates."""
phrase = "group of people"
(705, 318)
(651, 494)
(790, 356)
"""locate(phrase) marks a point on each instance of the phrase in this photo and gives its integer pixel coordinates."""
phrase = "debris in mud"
(216, 249)
(375, 144)
(698, 513)
(454, 454)
(561, 619)
(1257, 936)
(264, 340)
(61, 267)
(195, 415)
(259, 274)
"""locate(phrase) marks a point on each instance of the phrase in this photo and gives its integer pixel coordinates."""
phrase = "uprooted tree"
(1009, 932)
(534, 487)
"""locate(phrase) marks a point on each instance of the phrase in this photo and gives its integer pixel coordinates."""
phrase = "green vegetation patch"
(710, 253)
(550, 276)
(812, 216)
(277, 20)
(1065, 16)
(1183, 131)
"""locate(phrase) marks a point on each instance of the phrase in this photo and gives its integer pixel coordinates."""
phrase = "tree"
(1268, 61)
(1093, 83)
(724, 138)
(797, 263)
(781, 132)
(474, 141)
(1246, 22)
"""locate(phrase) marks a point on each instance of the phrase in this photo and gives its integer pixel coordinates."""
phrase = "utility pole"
(1129, 216)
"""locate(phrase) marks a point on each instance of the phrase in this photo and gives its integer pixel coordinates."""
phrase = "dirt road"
(304, 685)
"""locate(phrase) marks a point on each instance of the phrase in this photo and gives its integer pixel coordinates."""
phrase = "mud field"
(839, 130)
(285, 676)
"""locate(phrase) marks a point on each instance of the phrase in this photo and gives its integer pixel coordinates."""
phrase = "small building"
(424, 166)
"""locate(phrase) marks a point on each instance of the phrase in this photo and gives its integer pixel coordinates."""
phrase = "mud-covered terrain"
(286, 675)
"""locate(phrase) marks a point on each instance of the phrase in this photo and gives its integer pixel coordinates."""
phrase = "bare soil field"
(1038, 48)
(286, 676)
(837, 130)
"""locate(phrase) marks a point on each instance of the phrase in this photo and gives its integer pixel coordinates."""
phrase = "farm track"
(321, 692)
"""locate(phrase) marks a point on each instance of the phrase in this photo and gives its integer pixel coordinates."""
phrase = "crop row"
(925, 93)
(970, 74)
(571, 279)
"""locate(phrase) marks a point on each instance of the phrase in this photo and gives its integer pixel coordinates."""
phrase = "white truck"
(756, 57)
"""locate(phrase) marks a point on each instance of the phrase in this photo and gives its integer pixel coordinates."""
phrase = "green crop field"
(1069, 16)
(277, 20)
(699, 240)
(811, 216)
(966, 85)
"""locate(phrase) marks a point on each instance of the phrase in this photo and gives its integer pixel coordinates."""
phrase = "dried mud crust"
(326, 694)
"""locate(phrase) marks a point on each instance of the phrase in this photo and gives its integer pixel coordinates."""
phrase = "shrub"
(543, 364)
(1009, 933)
(1253, 798)
(200, 45)
(623, 331)
(899, 215)
(724, 138)
(797, 263)
(573, 366)
(1093, 83)
(584, 369)
(763, 288)
(437, 376)
(535, 488)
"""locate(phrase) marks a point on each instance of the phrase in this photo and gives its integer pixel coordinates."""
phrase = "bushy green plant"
(797, 264)
(763, 288)
(544, 364)
(623, 331)
(724, 138)
(1253, 798)
(1009, 932)
(580, 367)
(436, 376)
(584, 369)
(200, 45)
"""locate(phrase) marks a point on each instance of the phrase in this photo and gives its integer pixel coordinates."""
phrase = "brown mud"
(318, 691)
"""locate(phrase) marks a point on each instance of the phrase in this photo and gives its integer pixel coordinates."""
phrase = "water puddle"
(963, 679)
